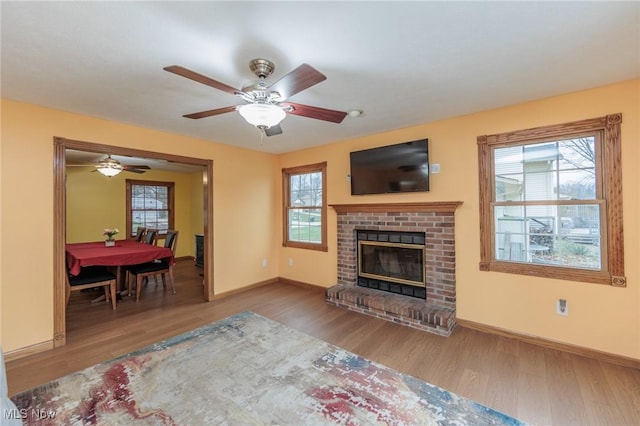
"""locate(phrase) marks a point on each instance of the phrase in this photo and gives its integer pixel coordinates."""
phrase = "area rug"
(246, 370)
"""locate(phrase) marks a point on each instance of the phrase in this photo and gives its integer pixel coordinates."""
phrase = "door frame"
(60, 145)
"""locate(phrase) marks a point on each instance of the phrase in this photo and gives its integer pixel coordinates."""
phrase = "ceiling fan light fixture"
(109, 167)
(262, 115)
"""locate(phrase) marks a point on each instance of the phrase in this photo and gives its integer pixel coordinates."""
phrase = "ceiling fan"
(266, 103)
(111, 167)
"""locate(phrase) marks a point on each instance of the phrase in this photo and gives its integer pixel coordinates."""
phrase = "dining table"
(122, 253)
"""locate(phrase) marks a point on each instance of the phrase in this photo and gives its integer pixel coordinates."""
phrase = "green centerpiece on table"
(110, 233)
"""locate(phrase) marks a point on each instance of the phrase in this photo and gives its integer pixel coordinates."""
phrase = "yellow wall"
(248, 223)
(601, 317)
(244, 193)
(1, 348)
(95, 202)
(197, 202)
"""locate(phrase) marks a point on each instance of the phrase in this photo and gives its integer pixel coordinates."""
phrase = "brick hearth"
(436, 314)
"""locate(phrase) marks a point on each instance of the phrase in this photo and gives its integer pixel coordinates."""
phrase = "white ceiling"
(401, 63)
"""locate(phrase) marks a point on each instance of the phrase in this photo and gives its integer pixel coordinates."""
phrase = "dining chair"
(90, 277)
(152, 269)
(150, 236)
(140, 233)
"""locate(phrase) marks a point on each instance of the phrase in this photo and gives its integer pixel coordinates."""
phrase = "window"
(305, 206)
(149, 205)
(551, 201)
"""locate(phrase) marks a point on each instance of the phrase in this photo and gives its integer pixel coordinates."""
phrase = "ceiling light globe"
(264, 115)
(110, 170)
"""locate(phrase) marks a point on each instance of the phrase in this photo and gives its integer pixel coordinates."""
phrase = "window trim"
(610, 161)
(286, 185)
(171, 193)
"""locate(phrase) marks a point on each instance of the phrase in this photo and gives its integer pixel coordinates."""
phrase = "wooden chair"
(140, 233)
(157, 267)
(150, 236)
(90, 277)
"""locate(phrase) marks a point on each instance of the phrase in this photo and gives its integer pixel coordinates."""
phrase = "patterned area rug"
(247, 370)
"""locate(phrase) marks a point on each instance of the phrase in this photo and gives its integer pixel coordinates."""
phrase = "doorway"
(60, 147)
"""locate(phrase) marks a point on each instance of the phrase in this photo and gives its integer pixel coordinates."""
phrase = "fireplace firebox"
(392, 261)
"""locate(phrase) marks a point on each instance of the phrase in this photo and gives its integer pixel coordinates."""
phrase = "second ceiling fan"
(266, 103)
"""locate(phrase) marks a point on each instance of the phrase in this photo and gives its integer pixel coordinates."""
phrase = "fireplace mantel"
(436, 206)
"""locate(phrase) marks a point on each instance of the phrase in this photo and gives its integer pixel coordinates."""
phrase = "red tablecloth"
(125, 252)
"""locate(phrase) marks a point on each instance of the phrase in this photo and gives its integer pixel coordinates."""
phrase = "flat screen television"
(402, 167)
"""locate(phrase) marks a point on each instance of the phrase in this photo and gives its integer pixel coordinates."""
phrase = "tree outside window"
(304, 195)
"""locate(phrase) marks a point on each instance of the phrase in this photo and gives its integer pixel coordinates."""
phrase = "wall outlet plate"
(562, 307)
(435, 168)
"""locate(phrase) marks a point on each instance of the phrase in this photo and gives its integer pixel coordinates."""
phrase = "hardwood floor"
(538, 385)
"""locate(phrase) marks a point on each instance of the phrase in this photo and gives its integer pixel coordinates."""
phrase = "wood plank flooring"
(538, 385)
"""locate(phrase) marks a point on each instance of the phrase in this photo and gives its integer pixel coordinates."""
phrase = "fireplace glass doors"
(392, 261)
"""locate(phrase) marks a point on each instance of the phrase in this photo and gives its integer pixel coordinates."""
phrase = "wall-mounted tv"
(402, 167)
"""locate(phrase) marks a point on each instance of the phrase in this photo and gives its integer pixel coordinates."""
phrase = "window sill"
(308, 246)
(556, 272)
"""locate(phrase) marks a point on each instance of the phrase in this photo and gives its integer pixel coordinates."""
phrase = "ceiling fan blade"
(273, 130)
(192, 75)
(211, 112)
(316, 112)
(127, 169)
(297, 80)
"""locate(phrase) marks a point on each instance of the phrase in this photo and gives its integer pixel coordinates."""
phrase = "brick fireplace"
(436, 221)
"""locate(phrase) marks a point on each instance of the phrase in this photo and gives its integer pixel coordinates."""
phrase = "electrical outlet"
(562, 307)
(264, 262)
(290, 261)
(435, 168)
